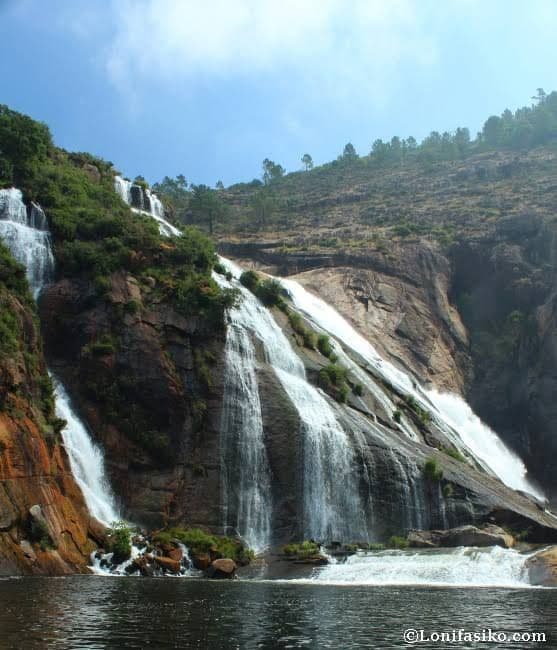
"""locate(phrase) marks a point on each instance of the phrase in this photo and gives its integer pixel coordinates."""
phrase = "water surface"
(105, 612)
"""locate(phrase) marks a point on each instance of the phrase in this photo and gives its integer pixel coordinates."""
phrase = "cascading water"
(25, 233)
(244, 464)
(144, 199)
(463, 567)
(86, 461)
(333, 507)
(450, 411)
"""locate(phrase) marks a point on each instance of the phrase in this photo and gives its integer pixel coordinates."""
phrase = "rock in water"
(542, 568)
(223, 568)
(462, 536)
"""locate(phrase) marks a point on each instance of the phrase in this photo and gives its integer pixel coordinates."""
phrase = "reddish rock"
(167, 564)
(175, 554)
(223, 568)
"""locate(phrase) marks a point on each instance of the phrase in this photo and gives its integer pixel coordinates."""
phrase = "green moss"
(397, 541)
(198, 541)
(431, 470)
(300, 550)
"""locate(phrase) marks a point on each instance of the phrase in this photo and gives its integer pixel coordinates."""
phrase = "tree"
(379, 151)
(174, 192)
(462, 140)
(271, 171)
(219, 185)
(263, 205)
(206, 206)
(308, 161)
(349, 152)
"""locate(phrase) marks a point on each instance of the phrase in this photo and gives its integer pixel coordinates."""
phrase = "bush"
(270, 292)
(358, 389)
(397, 416)
(324, 345)
(396, 541)
(250, 280)
(119, 541)
(431, 471)
(301, 549)
(198, 541)
(454, 453)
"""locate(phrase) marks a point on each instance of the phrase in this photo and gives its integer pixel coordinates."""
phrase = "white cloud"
(338, 47)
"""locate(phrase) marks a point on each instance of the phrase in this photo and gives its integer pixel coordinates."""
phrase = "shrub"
(396, 541)
(324, 345)
(397, 415)
(358, 389)
(376, 547)
(250, 280)
(454, 453)
(119, 541)
(301, 549)
(431, 471)
(270, 293)
(198, 541)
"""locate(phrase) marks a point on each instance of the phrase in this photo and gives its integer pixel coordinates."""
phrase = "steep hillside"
(448, 267)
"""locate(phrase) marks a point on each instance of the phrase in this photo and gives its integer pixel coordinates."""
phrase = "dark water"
(97, 612)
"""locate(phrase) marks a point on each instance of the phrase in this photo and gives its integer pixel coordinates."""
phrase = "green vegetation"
(423, 415)
(454, 453)
(448, 490)
(398, 542)
(376, 547)
(332, 378)
(397, 416)
(324, 345)
(199, 542)
(301, 550)
(431, 470)
(119, 541)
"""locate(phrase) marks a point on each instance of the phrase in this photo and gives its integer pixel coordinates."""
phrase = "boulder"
(166, 564)
(472, 536)
(221, 568)
(201, 561)
(175, 554)
(423, 538)
(489, 535)
(542, 568)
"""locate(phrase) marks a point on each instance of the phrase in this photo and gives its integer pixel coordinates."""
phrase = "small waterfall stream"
(25, 233)
(143, 201)
(456, 418)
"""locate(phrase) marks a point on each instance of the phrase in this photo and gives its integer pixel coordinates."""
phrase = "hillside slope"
(450, 269)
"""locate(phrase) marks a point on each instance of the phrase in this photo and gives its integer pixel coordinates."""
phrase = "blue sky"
(209, 88)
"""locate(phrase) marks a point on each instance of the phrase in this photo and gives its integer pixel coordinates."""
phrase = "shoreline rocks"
(489, 535)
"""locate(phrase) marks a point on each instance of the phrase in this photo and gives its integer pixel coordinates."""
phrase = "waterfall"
(139, 199)
(245, 467)
(464, 567)
(25, 233)
(333, 507)
(451, 412)
(86, 460)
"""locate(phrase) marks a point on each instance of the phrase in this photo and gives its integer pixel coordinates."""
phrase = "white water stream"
(450, 411)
